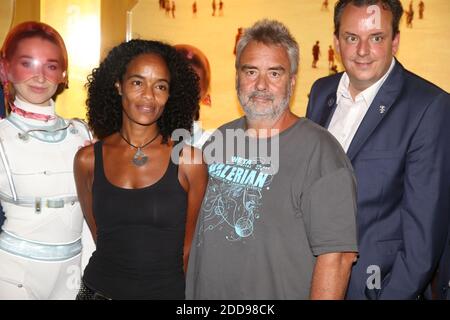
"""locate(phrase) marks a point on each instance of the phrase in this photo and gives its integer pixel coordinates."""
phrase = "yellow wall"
(114, 23)
(26, 10)
(13, 12)
(6, 17)
(90, 29)
(78, 21)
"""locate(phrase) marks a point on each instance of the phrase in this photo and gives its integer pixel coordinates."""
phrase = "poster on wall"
(213, 27)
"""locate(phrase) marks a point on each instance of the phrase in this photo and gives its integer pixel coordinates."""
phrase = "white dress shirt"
(349, 113)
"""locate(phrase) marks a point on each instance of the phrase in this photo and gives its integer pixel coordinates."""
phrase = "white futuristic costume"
(40, 246)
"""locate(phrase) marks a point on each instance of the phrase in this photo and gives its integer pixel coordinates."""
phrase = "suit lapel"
(328, 110)
(379, 108)
(330, 104)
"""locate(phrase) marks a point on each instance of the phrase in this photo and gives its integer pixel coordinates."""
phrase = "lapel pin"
(382, 109)
(330, 102)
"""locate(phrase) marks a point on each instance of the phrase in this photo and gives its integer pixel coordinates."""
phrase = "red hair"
(31, 29)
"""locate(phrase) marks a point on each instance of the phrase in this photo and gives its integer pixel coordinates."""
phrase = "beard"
(271, 111)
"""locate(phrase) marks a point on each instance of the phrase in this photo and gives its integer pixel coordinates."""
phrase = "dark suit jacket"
(443, 279)
(401, 157)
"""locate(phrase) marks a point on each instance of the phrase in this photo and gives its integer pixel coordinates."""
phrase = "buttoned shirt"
(349, 113)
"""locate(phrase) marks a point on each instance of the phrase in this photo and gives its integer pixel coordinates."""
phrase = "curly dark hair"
(104, 103)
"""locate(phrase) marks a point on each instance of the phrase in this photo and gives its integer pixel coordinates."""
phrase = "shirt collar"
(368, 94)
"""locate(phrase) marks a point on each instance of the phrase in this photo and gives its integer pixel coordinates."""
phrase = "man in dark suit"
(394, 127)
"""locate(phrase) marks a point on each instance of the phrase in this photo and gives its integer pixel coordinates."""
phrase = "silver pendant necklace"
(139, 158)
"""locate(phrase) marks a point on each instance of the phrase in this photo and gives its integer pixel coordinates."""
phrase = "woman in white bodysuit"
(40, 246)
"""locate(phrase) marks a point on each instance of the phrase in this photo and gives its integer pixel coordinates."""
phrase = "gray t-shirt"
(258, 233)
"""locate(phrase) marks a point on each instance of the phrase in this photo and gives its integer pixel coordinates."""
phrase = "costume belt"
(41, 202)
(37, 250)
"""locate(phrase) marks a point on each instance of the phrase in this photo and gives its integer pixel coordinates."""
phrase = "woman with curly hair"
(139, 196)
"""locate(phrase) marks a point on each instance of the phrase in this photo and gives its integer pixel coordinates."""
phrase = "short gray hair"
(270, 32)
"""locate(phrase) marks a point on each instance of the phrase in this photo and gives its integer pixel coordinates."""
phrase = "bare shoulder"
(84, 158)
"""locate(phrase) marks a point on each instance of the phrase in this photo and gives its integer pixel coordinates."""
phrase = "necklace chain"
(141, 147)
(139, 158)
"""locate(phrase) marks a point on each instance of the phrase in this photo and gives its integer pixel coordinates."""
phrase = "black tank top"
(140, 236)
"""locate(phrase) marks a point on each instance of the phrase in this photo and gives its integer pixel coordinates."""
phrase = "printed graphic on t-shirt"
(234, 197)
